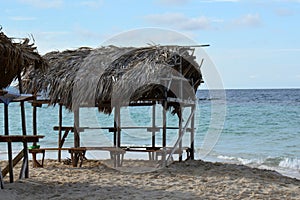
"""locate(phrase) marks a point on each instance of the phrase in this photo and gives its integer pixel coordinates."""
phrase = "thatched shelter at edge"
(112, 77)
(15, 59)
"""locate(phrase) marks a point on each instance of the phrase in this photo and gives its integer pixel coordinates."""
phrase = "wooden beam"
(3, 92)
(153, 130)
(25, 167)
(9, 147)
(24, 173)
(34, 122)
(180, 133)
(1, 180)
(15, 161)
(76, 127)
(63, 138)
(192, 151)
(20, 138)
(164, 128)
(60, 142)
(76, 135)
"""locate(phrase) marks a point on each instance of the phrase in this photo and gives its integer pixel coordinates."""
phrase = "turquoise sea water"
(261, 128)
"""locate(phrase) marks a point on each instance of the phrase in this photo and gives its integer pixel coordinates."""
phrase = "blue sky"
(254, 44)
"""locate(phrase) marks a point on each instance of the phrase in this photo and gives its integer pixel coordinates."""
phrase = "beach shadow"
(234, 171)
(85, 190)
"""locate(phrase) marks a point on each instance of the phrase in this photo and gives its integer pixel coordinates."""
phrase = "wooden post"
(192, 153)
(25, 167)
(59, 132)
(153, 125)
(115, 130)
(118, 126)
(9, 147)
(76, 128)
(15, 161)
(153, 128)
(164, 133)
(117, 121)
(76, 136)
(1, 180)
(117, 134)
(34, 124)
(180, 132)
(164, 136)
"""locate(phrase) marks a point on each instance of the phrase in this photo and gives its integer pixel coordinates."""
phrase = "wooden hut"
(15, 59)
(113, 77)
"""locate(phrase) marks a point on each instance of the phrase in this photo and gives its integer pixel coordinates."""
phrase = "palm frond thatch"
(16, 58)
(104, 76)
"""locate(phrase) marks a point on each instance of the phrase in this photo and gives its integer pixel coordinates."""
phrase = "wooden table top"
(20, 138)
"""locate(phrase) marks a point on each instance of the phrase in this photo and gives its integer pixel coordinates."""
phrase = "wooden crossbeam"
(16, 160)
(20, 138)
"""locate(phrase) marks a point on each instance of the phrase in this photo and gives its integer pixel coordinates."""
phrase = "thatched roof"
(16, 58)
(103, 76)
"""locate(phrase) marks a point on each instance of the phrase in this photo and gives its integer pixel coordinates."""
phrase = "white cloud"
(180, 21)
(249, 20)
(20, 18)
(93, 4)
(43, 3)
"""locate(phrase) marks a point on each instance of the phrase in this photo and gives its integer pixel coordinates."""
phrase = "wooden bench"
(62, 138)
(34, 152)
(155, 152)
(78, 154)
(24, 154)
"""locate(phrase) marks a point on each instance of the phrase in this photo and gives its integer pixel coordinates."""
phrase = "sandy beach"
(180, 180)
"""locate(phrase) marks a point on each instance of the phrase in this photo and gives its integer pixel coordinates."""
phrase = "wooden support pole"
(59, 132)
(25, 167)
(164, 136)
(117, 134)
(115, 130)
(192, 153)
(153, 125)
(164, 133)
(180, 133)
(76, 128)
(119, 126)
(1, 180)
(34, 123)
(153, 130)
(15, 161)
(76, 136)
(9, 146)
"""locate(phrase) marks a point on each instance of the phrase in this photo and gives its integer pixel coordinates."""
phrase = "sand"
(180, 180)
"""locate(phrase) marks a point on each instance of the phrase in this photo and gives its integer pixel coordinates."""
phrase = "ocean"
(261, 128)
